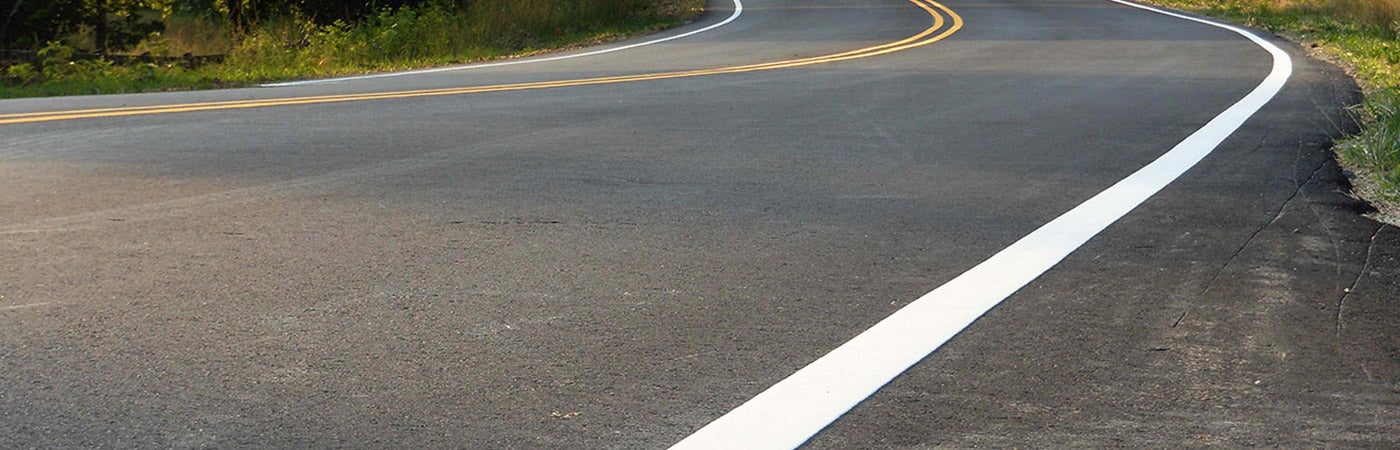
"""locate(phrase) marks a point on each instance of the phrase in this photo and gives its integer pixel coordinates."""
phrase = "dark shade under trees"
(113, 25)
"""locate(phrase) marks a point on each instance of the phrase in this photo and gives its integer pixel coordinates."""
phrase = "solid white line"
(738, 9)
(792, 411)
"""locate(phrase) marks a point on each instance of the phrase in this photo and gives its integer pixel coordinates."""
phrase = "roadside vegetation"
(1364, 35)
(68, 47)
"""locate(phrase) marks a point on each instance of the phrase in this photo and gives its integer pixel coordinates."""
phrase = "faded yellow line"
(927, 36)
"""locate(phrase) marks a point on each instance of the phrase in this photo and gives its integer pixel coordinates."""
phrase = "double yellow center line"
(934, 33)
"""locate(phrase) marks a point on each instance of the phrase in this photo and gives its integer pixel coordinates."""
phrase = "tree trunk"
(5, 27)
(101, 29)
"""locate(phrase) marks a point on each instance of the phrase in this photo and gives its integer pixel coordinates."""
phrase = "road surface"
(617, 262)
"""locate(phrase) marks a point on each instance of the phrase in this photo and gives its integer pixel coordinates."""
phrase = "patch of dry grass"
(1384, 13)
(188, 35)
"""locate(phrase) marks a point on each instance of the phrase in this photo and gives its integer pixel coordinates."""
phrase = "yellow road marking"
(925, 37)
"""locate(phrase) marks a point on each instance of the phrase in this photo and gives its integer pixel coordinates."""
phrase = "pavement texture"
(615, 266)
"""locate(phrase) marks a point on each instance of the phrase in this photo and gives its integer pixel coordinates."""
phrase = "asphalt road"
(617, 265)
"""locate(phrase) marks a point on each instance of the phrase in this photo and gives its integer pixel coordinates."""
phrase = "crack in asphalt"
(1263, 138)
(1346, 293)
(1298, 189)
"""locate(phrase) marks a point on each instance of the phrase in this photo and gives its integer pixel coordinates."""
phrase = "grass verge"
(1362, 35)
(291, 48)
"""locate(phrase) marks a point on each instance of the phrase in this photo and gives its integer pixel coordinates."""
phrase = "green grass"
(115, 79)
(292, 48)
(1378, 147)
(1365, 36)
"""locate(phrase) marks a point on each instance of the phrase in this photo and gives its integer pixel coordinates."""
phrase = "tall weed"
(1381, 13)
(188, 35)
(1378, 147)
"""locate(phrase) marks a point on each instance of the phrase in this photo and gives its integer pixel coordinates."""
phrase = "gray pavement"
(615, 266)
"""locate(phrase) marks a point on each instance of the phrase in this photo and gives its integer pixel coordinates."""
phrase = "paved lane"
(617, 265)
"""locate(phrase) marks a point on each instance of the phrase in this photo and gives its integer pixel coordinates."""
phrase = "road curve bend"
(614, 250)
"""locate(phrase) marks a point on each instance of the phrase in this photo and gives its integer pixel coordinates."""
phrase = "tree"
(114, 24)
(118, 24)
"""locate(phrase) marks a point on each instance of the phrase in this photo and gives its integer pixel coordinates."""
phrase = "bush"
(23, 74)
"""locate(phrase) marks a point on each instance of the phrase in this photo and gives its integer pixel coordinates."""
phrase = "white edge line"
(738, 9)
(790, 412)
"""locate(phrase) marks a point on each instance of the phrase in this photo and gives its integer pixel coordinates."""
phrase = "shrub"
(23, 74)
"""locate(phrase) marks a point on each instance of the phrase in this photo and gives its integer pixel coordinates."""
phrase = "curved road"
(615, 265)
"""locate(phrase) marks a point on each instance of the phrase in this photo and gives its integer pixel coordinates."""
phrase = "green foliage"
(326, 12)
(295, 46)
(59, 65)
(524, 23)
(1378, 147)
(23, 74)
(60, 74)
(105, 24)
(56, 53)
(272, 52)
(433, 33)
